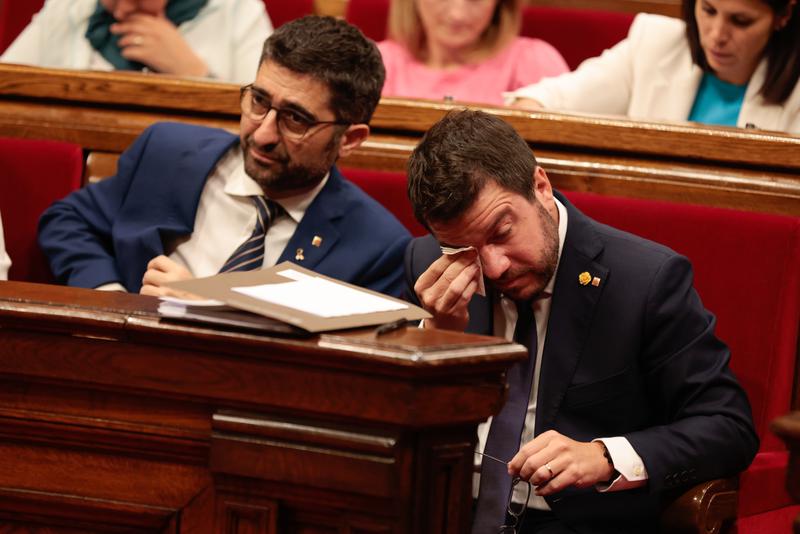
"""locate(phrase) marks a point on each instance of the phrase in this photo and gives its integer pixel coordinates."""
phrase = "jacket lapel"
(317, 232)
(571, 314)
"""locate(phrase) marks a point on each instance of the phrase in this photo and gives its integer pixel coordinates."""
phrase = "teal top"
(717, 102)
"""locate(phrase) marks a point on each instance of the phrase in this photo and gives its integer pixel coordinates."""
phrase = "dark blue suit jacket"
(634, 357)
(108, 231)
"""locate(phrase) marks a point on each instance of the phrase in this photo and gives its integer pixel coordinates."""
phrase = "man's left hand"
(161, 270)
(553, 462)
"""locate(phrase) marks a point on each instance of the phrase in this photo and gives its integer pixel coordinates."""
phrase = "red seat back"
(746, 272)
(282, 11)
(14, 16)
(577, 33)
(388, 188)
(34, 174)
(371, 17)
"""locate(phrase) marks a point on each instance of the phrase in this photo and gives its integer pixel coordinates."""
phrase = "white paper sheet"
(320, 297)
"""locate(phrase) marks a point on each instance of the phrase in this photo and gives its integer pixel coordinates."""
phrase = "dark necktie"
(250, 254)
(506, 430)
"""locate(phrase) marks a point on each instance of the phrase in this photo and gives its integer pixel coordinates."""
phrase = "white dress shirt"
(626, 461)
(226, 216)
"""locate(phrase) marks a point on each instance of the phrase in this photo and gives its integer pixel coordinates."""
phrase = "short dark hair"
(457, 156)
(782, 51)
(335, 53)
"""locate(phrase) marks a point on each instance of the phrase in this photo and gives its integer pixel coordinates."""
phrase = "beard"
(540, 274)
(283, 174)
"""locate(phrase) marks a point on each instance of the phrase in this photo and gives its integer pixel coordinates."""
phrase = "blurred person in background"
(465, 50)
(728, 62)
(198, 38)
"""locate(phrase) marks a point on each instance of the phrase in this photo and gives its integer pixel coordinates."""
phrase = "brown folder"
(220, 287)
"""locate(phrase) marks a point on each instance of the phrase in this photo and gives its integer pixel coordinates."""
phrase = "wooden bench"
(743, 169)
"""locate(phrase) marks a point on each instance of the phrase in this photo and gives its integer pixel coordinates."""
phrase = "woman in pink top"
(465, 50)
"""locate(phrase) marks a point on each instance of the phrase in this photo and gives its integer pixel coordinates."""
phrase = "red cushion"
(576, 33)
(772, 522)
(14, 16)
(388, 188)
(282, 11)
(762, 487)
(35, 173)
(371, 16)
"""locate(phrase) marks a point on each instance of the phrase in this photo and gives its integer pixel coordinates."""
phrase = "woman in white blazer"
(662, 69)
(5, 261)
(212, 38)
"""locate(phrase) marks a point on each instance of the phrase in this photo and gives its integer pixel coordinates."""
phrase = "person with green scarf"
(198, 38)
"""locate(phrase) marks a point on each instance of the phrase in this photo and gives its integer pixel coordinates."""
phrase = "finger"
(433, 273)
(459, 291)
(152, 290)
(154, 277)
(530, 449)
(161, 263)
(431, 292)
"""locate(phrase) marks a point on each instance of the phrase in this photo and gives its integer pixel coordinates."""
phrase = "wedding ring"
(138, 40)
(547, 466)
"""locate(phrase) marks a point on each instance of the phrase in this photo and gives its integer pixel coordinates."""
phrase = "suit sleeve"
(75, 233)
(703, 427)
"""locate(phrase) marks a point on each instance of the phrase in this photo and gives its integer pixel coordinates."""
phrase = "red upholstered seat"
(34, 174)
(282, 11)
(577, 33)
(371, 16)
(388, 188)
(14, 16)
(746, 272)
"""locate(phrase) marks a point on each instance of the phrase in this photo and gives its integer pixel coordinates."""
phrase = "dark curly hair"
(335, 53)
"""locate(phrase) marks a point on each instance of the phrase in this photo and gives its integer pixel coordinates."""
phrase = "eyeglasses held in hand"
(292, 123)
(514, 512)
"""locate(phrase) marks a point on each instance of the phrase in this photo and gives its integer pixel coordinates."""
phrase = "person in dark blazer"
(190, 201)
(626, 397)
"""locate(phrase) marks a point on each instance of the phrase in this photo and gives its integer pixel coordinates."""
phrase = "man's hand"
(573, 463)
(157, 43)
(527, 103)
(160, 271)
(446, 288)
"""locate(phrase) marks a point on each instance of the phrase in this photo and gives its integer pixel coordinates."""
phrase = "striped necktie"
(250, 254)
(505, 431)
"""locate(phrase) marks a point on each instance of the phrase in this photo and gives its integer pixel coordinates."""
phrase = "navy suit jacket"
(108, 231)
(636, 357)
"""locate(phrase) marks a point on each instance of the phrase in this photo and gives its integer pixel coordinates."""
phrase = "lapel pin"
(317, 241)
(299, 255)
(596, 281)
(584, 278)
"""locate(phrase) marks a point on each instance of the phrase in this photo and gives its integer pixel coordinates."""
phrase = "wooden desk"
(788, 429)
(744, 169)
(112, 421)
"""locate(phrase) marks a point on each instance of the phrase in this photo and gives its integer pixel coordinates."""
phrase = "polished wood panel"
(788, 429)
(115, 421)
(744, 169)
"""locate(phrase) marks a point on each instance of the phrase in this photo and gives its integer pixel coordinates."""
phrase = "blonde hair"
(405, 26)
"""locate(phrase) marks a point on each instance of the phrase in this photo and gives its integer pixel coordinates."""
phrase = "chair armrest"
(707, 508)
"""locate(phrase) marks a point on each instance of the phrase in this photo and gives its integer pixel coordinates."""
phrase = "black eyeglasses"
(514, 512)
(292, 123)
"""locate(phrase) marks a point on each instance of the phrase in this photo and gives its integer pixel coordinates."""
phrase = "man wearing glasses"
(189, 201)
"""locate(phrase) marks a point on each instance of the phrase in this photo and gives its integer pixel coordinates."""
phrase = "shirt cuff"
(113, 286)
(632, 472)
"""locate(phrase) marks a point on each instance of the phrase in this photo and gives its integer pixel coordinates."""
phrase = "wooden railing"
(744, 169)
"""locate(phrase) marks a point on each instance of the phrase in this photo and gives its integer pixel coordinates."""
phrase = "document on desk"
(302, 298)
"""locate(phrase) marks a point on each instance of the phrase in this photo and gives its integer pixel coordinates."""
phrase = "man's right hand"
(162, 270)
(446, 288)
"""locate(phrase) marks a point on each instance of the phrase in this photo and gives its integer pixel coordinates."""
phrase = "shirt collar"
(239, 183)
